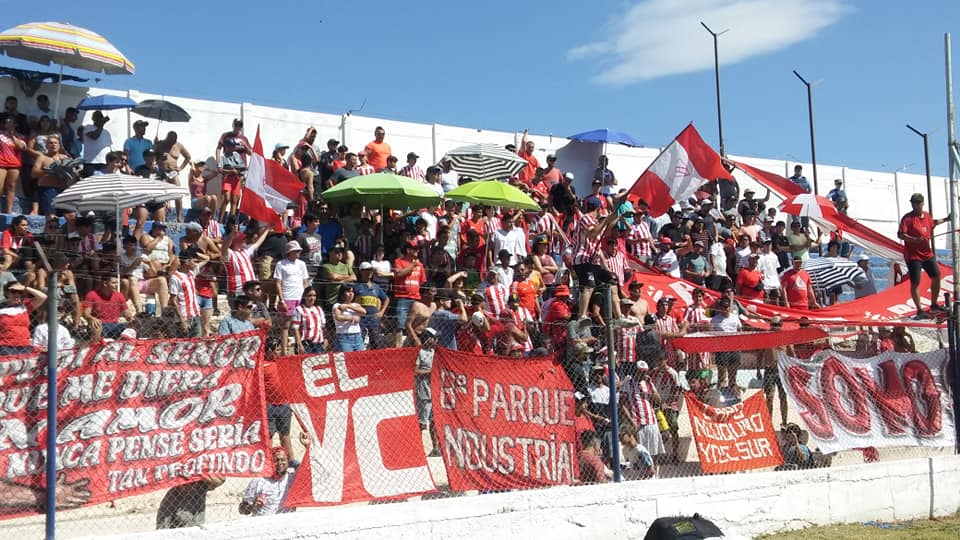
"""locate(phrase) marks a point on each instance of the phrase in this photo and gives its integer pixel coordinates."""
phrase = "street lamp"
(813, 145)
(716, 74)
(926, 162)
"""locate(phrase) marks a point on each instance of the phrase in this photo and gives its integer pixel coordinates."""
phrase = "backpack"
(682, 528)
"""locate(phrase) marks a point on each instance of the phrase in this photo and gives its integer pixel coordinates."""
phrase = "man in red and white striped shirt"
(494, 293)
(183, 291)
(642, 399)
(238, 257)
(640, 240)
(411, 170)
(211, 227)
(625, 339)
(614, 261)
(667, 327)
(364, 168)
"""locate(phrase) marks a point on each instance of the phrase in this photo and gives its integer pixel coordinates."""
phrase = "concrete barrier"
(741, 504)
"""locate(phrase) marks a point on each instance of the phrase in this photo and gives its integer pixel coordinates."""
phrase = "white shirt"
(291, 275)
(514, 241)
(347, 327)
(438, 188)
(718, 259)
(668, 263)
(449, 180)
(40, 335)
(431, 224)
(274, 493)
(768, 264)
(137, 271)
(95, 151)
(727, 324)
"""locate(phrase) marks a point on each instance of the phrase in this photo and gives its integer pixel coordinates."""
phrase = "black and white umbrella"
(114, 192)
(485, 162)
(829, 272)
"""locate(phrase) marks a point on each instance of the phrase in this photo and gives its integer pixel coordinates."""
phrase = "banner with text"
(893, 399)
(735, 438)
(504, 423)
(135, 417)
(358, 411)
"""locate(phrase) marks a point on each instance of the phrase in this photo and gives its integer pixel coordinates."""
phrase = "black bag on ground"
(682, 528)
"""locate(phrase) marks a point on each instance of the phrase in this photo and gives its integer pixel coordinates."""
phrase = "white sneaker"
(623, 322)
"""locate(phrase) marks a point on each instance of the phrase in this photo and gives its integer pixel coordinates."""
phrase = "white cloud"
(656, 38)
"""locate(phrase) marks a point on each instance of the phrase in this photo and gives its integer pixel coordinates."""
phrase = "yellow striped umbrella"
(64, 44)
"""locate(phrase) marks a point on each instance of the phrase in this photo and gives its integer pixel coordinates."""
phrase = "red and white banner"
(268, 188)
(894, 399)
(504, 423)
(137, 416)
(358, 410)
(735, 438)
(676, 174)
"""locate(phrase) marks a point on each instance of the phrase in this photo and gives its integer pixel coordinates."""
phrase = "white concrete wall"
(742, 504)
(877, 198)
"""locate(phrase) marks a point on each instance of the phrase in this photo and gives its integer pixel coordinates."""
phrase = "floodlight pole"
(954, 160)
(813, 145)
(716, 74)
(926, 163)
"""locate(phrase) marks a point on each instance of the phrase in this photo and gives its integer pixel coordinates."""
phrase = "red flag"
(268, 188)
(683, 166)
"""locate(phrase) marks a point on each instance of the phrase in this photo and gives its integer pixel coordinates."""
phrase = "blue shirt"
(134, 148)
(445, 323)
(801, 181)
(329, 232)
(231, 325)
(370, 297)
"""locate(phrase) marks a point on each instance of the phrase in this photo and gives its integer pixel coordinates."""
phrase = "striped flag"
(268, 188)
(683, 166)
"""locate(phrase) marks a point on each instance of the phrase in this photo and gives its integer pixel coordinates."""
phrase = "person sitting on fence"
(421, 381)
(267, 496)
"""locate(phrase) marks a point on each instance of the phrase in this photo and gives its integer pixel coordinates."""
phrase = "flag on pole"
(268, 188)
(683, 166)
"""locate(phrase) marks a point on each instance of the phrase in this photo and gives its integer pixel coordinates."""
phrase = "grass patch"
(947, 528)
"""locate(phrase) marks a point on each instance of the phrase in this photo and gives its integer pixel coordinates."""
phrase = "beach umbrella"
(105, 103)
(64, 45)
(492, 194)
(485, 162)
(383, 190)
(605, 136)
(829, 272)
(808, 205)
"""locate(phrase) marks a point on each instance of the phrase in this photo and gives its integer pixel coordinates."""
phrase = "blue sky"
(563, 66)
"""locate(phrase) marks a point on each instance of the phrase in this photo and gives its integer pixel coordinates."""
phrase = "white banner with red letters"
(893, 399)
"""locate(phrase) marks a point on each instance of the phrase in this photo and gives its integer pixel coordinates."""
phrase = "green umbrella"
(493, 193)
(382, 190)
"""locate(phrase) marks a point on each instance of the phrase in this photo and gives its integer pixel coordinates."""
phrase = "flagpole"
(716, 74)
(813, 144)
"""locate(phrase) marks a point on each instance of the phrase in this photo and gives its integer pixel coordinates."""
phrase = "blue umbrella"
(605, 136)
(106, 103)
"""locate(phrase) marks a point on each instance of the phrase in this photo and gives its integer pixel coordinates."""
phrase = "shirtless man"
(49, 184)
(639, 309)
(170, 152)
(420, 312)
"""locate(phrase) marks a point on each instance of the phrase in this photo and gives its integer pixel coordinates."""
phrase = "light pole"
(716, 74)
(926, 163)
(813, 145)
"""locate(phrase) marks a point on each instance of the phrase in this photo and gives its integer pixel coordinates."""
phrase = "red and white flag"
(268, 189)
(683, 166)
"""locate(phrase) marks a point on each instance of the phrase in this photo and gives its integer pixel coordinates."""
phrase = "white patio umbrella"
(114, 192)
(485, 161)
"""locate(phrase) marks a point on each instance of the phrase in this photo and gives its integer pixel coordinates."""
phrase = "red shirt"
(795, 285)
(526, 294)
(921, 226)
(530, 170)
(9, 241)
(591, 468)
(747, 283)
(409, 286)
(15, 326)
(108, 310)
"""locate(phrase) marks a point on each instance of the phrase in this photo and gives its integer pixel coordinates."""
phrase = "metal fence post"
(53, 327)
(612, 382)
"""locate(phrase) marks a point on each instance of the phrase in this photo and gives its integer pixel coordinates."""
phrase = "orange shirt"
(526, 293)
(377, 154)
(530, 170)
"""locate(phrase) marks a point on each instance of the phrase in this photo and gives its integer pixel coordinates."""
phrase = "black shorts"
(590, 275)
(278, 419)
(771, 380)
(929, 266)
(727, 359)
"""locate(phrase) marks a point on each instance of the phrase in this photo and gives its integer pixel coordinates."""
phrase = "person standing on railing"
(916, 231)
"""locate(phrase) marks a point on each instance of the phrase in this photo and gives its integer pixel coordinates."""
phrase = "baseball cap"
(206, 210)
(797, 258)
(292, 246)
(280, 146)
(698, 243)
(366, 265)
(838, 181)
(194, 226)
(863, 257)
(141, 123)
(158, 225)
(666, 241)
(748, 190)
(477, 318)
(568, 176)
(412, 155)
(331, 142)
(596, 182)
(706, 201)
(551, 157)
(916, 197)
(641, 365)
(561, 290)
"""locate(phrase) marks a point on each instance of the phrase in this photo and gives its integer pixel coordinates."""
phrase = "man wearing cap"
(377, 150)
(291, 276)
(364, 167)
(135, 146)
(796, 287)
(916, 231)
(749, 204)
(232, 166)
(642, 399)
(148, 165)
(666, 259)
(448, 177)
(327, 157)
(279, 150)
(838, 197)
(867, 286)
(371, 296)
(411, 169)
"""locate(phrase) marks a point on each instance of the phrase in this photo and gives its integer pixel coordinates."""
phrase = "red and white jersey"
(640, 231)
(363, 170)
(496, 297)
(666, 324)
(667, 382)
(183, 286)
(639, 395)
(695, 314)
(580, 230)
(625, 344)
(413, 171)
(11, 241)
(88, 245)
(518, 319)
(212, 230)
(490, 226)
(239, 268)
(616, 264)
(524, 314)
(549, 225)
(310, 321)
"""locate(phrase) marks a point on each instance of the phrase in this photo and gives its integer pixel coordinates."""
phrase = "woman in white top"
(346, 319)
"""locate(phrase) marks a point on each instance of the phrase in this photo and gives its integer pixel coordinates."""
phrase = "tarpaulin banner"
(358, 410)
(893, 399)
(504, 423)
(735, 438)
(136, 416)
